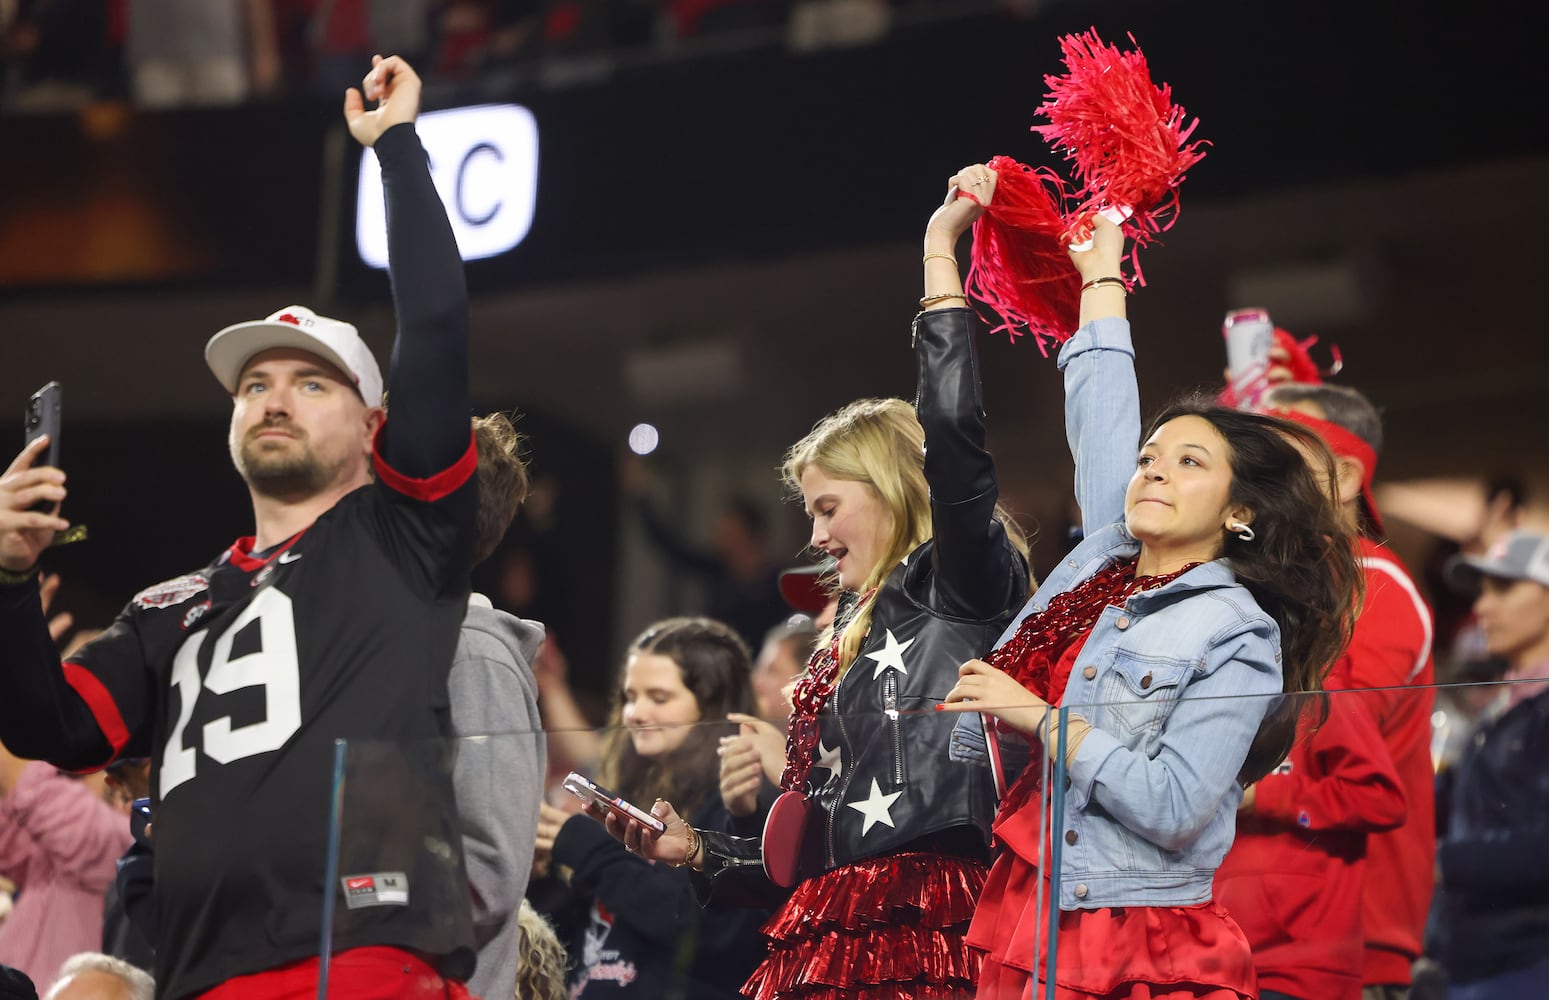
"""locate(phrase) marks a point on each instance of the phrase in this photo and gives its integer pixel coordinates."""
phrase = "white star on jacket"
(831, 760)
(890, 655)
(876, 808)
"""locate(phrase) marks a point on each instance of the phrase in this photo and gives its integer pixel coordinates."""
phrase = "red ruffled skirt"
(1117, 953)
(881, 929)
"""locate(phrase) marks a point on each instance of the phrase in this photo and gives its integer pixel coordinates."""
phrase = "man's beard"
(284, 473)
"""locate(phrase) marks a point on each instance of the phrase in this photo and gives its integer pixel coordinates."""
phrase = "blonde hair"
(541, 960)
(880, 444)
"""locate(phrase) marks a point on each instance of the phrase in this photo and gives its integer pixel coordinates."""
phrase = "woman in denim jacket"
(1214, 576)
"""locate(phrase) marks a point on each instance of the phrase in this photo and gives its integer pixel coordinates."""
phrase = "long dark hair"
(716, 668)
(1301, 566)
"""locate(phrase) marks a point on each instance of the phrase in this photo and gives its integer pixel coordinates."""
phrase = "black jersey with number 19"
(237, 681)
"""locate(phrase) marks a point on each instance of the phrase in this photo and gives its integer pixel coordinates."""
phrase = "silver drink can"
(1249, 336)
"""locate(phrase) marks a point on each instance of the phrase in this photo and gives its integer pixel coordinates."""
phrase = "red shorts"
(357, 974)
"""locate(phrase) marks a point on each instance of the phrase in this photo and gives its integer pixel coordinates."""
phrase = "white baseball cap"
(335, 341)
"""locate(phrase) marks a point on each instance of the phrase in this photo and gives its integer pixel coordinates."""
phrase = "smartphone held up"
(44, 414)
(594, 794)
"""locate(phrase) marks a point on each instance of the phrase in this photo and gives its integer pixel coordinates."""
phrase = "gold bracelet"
(931, 300)
(1110, 280)
(694, 844)
(941, 256)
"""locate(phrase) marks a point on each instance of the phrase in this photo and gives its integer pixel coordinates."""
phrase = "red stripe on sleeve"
(103, 708)
(442, 484)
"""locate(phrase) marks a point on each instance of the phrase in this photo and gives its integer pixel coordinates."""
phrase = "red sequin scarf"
(1043, 637)
(807, 700)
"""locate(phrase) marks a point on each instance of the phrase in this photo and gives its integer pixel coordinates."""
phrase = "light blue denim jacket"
(1175, 683)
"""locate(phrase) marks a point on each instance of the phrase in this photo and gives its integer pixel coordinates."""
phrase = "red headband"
(1346, 445)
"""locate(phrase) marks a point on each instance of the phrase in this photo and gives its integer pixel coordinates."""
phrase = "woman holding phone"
(884, 838)
(646, 935)
(1215, 576)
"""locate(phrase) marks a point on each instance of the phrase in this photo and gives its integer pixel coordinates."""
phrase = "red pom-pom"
(1019, 268)
(1127, 142)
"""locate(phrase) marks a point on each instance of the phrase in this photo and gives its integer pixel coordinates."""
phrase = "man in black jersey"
(335, 620)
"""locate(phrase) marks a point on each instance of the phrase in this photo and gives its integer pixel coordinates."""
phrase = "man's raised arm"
(41, 715)
(428, 432)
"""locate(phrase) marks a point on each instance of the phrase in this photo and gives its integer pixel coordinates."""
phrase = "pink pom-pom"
(1019, 269)
(1127, 142)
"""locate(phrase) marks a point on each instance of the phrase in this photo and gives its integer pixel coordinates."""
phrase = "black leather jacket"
(882, 780)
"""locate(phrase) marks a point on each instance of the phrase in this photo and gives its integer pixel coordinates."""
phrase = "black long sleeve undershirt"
(428, 380)
(41, 716)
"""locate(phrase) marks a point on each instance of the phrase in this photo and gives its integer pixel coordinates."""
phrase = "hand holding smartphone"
(592, 794)
(44, 414)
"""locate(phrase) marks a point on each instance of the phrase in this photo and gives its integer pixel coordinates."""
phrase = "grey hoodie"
(499, 779)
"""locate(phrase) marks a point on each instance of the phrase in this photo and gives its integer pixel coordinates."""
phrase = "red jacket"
(1392, 649)
(1294, 877)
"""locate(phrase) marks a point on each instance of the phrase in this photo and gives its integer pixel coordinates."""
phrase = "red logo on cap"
(288, 318)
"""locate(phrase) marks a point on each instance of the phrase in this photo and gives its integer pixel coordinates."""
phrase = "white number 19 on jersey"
(273, 666)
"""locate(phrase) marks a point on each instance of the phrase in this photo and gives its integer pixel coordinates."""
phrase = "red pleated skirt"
(888, 928)
(1115, 953)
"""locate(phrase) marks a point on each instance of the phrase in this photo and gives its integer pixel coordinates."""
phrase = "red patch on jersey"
(360, 882)
(165, 595)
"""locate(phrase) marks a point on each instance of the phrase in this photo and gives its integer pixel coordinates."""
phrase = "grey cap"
(1520, 555)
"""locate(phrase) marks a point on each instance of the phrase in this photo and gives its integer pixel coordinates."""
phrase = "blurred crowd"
(59, 54)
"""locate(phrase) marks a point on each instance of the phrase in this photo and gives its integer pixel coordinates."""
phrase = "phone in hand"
(45, 413)
(592, 794)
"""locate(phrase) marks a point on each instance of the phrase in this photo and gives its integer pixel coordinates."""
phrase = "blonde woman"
(889, 850)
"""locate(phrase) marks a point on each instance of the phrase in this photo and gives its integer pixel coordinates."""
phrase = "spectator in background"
(752, 760)
(1457, 630)
(1295, 875)
(92, 976)
(743, 583)
(499, 780)
(1389, 652)
(127, 780)
(1459, 708)
(56, 835)
(59, 843)
(787, 648)
(646, 935)
(183, 53)
(1493, 925)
